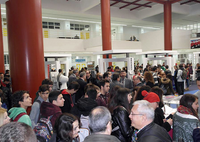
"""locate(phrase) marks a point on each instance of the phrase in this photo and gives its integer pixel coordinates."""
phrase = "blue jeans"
(187, 83)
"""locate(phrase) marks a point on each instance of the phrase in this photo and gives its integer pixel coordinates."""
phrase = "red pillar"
(25, 42)
(1, 47)
(167, 25)
(106, 27)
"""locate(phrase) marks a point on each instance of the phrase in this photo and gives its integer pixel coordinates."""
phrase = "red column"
(106, 27)
(25, 42)
(167, 25)
(1, 47)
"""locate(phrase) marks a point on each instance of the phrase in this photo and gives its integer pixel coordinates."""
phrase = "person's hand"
(170, 121)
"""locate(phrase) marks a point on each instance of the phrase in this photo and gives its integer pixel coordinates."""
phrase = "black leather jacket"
(153, 133)
(121, 120)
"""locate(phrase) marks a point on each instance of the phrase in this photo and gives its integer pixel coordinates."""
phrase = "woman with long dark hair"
(66, 129)
(186, 119)
(120, 115)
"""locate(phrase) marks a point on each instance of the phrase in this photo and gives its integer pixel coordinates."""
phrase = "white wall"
(118, 44)
(181, 39)
(130, 31)
(150, 41)
(93, 42)
(153, 41)
(63, 45)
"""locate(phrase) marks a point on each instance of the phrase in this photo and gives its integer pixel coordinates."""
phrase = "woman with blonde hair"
(4, 117)
(148, 77)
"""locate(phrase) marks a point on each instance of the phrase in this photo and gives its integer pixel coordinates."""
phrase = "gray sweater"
(183, 126)
(198, 95)
(35, 111)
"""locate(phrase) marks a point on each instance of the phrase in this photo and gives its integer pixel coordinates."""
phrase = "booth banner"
(195, 43)
(80, 66)
(80, 60)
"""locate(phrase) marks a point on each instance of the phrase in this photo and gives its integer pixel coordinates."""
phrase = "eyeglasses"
(135, 114)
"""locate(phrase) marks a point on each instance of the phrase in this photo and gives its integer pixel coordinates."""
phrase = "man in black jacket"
(142, 116)
(67, 95)
(91, 79)
(84, 106)
(82, 84)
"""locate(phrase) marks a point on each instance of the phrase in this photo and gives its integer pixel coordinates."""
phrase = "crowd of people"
(106, 107)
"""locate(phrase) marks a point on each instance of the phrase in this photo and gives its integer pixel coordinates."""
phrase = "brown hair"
(148, 77)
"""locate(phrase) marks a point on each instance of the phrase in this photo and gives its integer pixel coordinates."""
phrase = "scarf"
(184, 110)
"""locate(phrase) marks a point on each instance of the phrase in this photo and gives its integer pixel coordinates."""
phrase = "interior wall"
(130, 31)
(153, 41)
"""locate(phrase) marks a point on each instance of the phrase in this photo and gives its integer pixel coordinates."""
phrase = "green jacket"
(15, 111)
(183, 126)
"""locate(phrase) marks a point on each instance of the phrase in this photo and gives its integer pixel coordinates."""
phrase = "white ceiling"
(89, 10)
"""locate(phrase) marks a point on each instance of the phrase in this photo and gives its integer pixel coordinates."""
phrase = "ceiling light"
(144, 27)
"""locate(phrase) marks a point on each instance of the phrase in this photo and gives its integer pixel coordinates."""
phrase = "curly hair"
(18, 97)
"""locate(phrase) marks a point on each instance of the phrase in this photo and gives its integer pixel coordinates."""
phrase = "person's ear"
(20, 103)
(143, 118)
(109, 128)
(54, 102)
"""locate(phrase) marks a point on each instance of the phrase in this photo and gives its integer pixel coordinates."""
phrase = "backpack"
(184, 74)
(44, 129)
(18, 117)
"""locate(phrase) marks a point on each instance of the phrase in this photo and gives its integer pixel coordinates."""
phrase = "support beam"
(2, 70)
(115, 3)
(196, 1)
(25, 42)
(174, 1)
(140, 6)
(125, 2)
(129, 4)
(167, 26)
(186, 2)
(106, 27)
(156, 1)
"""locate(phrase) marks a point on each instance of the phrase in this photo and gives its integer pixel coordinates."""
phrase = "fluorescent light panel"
(144, 27)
